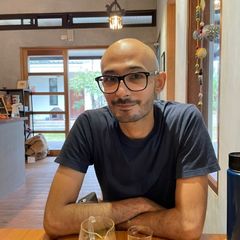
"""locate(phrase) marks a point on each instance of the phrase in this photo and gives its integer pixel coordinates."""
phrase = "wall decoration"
(22, 84)
(3, 108)
(209, 32)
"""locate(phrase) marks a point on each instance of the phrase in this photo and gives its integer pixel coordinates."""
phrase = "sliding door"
(46, 71)
(63, 86)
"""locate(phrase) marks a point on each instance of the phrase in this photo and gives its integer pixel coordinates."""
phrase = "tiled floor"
(24, 208)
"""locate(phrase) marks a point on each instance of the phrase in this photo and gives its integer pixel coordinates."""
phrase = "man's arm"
(63, 215)
(186, 220)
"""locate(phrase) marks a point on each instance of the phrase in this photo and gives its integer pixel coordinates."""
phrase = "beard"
(137, 110)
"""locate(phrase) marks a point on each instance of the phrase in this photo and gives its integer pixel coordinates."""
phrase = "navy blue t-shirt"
(178, 146)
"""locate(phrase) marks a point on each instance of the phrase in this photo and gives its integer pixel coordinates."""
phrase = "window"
(136, 18)
(53, 87)
(211, 74)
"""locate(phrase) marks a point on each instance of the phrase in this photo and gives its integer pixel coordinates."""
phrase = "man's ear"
(160, 81)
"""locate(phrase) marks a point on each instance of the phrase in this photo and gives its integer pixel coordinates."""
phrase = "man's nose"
(122, 89)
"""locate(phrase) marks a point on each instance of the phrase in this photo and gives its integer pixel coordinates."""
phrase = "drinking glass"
(139, 232)
(97, 228)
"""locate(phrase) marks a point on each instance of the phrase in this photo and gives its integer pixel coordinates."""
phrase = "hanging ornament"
(202, 5)
(201, 24)
(211, 32)
(197, 67)
(201, 53)
(200, 94)
(197, 35)
(198, 13)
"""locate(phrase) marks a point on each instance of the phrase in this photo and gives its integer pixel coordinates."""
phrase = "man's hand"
(127, 209)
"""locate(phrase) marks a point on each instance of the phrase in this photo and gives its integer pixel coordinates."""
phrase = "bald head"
(129, 51)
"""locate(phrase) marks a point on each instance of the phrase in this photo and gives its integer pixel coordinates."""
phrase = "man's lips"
(125, 106)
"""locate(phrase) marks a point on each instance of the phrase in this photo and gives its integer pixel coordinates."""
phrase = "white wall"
(181, 50)
(51, 6)
(12, 41)
(181, 44)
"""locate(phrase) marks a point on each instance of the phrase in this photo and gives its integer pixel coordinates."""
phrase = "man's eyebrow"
(140, 68)
(109, 72)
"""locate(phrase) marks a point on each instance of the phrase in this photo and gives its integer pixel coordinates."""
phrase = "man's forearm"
(167, 223)
(67, 219)
(64, 220)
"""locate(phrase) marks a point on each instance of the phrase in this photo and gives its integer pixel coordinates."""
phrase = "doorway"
(62, 87)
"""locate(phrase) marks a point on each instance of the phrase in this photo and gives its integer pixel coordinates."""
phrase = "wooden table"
(39, 234)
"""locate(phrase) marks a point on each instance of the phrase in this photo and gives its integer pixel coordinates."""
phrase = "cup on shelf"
(15, 99)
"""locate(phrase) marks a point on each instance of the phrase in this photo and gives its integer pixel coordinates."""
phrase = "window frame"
(53, 87)
(67, 20)
(193, 84)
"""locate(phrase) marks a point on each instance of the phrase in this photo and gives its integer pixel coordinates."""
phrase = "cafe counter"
(12, 155)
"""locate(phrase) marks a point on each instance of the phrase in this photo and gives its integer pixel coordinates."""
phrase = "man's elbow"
(51, 226)
(191, 231)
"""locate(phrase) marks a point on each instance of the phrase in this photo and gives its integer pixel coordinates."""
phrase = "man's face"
(126, 105)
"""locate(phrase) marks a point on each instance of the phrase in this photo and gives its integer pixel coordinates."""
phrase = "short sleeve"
(76, 152)
(196, 155)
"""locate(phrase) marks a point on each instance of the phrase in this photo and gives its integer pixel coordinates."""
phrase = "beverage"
(97, 228)
(140, 232)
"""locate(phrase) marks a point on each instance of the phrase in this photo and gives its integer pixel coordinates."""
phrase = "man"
(151, 158)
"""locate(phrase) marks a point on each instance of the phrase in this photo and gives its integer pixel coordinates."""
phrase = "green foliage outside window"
(86, 81)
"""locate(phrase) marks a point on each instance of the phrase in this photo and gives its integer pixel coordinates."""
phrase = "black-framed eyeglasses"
(136, 81)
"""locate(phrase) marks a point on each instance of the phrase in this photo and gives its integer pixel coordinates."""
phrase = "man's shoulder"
(175, 108)
(177, 114)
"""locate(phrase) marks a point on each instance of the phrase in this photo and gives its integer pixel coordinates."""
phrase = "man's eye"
(109, 79)
(135, 76)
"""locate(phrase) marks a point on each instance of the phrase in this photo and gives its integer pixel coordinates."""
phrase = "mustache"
(124, 101)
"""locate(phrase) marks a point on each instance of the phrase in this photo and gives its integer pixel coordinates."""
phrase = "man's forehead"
(122, 52)
(129, 53)
(131, 57)
(126, 69)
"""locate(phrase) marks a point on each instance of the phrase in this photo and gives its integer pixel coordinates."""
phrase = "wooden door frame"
(25, 52)
(171, 43)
